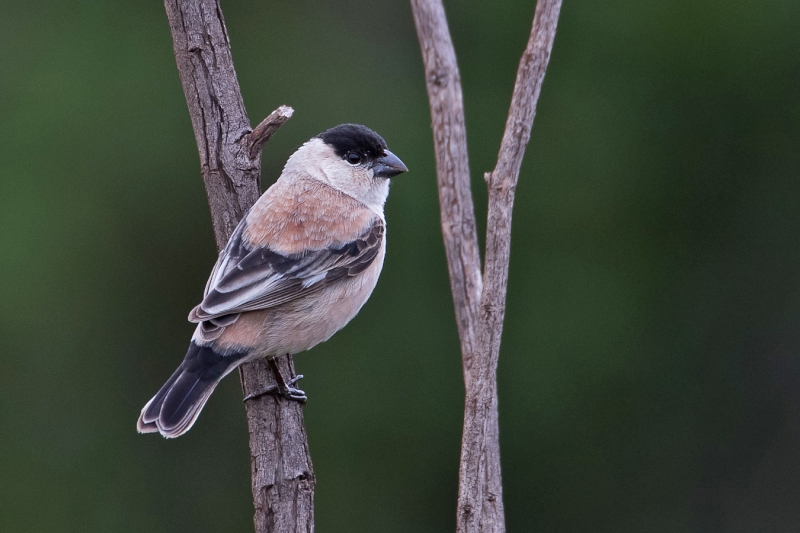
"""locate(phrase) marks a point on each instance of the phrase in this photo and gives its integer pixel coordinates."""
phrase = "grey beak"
(388, 166)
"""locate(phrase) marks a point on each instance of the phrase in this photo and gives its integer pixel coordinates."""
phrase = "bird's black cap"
(346, 138)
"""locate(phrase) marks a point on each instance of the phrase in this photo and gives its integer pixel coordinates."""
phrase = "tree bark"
(452, 167)
(230, 161)
(479, 301)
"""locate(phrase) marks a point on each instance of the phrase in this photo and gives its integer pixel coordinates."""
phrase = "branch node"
(267, 128)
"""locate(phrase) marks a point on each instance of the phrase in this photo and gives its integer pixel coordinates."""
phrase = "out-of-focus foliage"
(650, 370)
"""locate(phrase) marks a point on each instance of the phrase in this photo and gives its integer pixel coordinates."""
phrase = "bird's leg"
(286, 388)
(283, 388)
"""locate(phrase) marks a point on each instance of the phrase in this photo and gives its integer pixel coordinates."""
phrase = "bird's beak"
(388, 166)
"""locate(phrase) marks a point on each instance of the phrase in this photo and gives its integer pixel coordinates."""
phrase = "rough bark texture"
(458, 218)
(480, 506)
(452, 166)
(283, 479)
(282, 474)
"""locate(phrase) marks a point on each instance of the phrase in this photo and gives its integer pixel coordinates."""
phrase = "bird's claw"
(290, 392)
(295, 394)
(272, 389)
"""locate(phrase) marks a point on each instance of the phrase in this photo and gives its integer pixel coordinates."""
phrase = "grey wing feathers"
(232, 251)
(260, 278)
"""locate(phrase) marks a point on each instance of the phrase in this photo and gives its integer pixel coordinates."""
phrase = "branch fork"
(479, 298)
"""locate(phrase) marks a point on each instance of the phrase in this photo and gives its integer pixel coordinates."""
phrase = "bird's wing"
(247, 279)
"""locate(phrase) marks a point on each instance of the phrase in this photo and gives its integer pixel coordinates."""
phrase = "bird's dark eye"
(353, 158)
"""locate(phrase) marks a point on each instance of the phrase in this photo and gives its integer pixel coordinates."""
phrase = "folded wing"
(246, 279)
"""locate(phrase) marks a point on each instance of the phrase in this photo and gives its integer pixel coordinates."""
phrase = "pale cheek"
(355, 182)
(364, 180)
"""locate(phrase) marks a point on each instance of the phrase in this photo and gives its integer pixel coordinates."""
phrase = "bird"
(298, 267)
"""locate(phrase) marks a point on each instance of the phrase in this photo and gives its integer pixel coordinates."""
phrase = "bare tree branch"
(480, 507)
(262, 133)
(443, 83)
(452, 166)
(481, 396)
(202, 52)
(282, 474)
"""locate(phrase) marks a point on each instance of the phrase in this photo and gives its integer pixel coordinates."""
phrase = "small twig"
(262, 133)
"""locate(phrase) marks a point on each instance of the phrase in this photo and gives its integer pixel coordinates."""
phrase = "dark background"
(649, 376)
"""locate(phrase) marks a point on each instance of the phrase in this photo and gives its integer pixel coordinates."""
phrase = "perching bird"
(298, 267)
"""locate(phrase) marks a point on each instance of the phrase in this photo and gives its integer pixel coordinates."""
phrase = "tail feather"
(174, 409)
(150, 412)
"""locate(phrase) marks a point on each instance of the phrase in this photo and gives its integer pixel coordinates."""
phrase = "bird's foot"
(287, 391)
(293, 393)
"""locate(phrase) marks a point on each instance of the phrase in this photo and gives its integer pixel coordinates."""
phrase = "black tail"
(175, 407)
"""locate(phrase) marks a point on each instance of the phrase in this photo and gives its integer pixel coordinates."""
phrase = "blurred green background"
(649, 376)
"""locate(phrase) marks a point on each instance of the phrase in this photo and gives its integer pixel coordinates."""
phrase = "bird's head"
(351, 158)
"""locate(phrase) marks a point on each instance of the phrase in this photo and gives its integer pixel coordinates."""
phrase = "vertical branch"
(219, 119)
(502, 181)
(480, 412)
(480, 507)
(443, 83)
(282, 475)
(452, 166)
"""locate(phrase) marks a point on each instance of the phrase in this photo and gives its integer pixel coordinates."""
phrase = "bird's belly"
(313, 320)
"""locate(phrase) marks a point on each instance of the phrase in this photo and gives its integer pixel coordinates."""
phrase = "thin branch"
(452, 166)
(480, 401)
(530, 76)
(264, 131)
(458, 222)
(202, 52)
(282, 475)
(480, 507)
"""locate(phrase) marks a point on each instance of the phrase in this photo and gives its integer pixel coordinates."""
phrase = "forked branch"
(480, 506)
